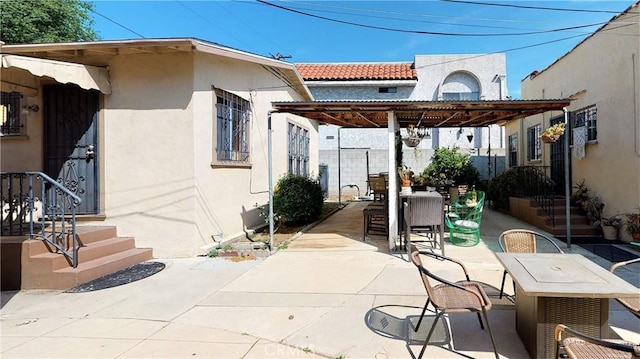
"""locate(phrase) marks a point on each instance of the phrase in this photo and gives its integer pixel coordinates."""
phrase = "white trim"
(372, 83)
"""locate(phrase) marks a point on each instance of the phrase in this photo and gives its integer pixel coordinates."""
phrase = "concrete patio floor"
(329, 294)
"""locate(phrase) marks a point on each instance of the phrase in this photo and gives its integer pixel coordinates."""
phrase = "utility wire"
(117, 23)
(531, 7)
(427, 32)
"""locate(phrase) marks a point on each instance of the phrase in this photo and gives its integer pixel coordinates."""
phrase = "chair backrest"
(378, 186)
(522, 241)
(425, 211)
(424, 274)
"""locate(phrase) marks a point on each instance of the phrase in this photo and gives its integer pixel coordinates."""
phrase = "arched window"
(460, 86)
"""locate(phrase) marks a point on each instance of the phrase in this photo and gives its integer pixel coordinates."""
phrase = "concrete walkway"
(329, 294)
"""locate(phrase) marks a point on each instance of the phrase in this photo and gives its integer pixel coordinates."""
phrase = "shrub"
(454, 165)
(298, 199)
(502, 187)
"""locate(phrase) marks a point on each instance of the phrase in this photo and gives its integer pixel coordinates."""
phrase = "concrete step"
(86, 253)
(101, 252)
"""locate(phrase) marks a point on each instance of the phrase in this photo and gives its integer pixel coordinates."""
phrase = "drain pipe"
(567, 181)
(339, 174)
(270, 151)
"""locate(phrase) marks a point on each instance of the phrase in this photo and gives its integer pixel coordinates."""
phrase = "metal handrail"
(534, 183)
(55, 208)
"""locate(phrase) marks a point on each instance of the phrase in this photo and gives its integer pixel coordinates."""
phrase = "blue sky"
(367, 31)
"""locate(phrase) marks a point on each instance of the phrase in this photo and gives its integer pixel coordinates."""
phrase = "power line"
(426, 32)
(117, 23)
(531, 7)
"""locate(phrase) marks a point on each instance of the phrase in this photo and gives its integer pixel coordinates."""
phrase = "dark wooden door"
(557, 157)
(70, 116)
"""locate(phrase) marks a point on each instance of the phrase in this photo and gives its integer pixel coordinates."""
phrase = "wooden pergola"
(430, 114)
(394, 115)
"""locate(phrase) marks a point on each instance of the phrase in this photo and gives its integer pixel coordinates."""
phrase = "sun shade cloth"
(87, 77)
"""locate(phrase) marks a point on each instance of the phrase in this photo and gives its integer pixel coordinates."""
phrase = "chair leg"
(480, 320)
(504, 276)
(424, 310)
(426, 341)
(493, 341)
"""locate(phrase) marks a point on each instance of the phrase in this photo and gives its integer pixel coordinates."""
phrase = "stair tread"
(106, 260)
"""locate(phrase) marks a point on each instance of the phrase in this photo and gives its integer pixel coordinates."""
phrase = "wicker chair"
(521, 241)
(632, 304)
(448, 297)
(581, 346)
(425, 215)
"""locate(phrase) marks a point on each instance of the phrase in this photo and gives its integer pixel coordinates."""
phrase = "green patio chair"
(463, 221)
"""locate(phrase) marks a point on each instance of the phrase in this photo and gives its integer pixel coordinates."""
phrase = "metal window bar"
(233, 117)
(10, 122)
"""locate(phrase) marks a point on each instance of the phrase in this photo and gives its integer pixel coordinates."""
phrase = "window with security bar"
(233, 124)
(10, 122)
(513, 150)
(588, 117)
(534, 144)
(298, 150)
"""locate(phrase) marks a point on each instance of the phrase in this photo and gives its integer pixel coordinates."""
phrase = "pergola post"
(392, 193)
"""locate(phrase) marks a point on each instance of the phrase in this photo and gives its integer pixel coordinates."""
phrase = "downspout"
(270, 156)
(567, 183)
(339, 172)
(635, 104)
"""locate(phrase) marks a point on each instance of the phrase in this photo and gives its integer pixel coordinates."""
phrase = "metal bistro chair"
(581, 346)
(521, 241)
(448, 297)
(632, 304)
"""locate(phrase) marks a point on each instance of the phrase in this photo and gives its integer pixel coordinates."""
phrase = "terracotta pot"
(406, 183)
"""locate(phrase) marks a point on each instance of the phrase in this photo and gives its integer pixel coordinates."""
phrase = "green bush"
(298, 199)
(454, 165)
(502, 187)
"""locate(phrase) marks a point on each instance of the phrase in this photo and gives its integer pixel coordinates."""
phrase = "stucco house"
(601, 75)
(166, 139)
(350, 154)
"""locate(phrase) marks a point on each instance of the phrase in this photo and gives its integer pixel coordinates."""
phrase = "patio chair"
(521, 241)
(463, 221)
(424, 215)
(448, 297)
(581, 346)
(632, 304)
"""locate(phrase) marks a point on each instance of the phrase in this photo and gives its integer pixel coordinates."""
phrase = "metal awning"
(85, 76)
(432, 114)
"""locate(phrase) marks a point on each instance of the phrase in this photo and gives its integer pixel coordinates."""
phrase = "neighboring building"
(602, 77)
(164, 138)
(350, 154)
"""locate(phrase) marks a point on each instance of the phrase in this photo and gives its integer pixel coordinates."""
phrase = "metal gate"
(557, 157)
(323, 178)
(70, 116)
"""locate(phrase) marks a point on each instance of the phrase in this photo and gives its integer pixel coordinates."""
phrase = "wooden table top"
(564, 275)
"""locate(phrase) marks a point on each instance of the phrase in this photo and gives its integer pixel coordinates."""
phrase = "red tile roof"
(357, 71)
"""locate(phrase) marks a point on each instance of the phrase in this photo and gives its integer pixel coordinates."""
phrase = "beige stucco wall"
(226, 196)
(156, 149)
(603, 71)
(23, 153)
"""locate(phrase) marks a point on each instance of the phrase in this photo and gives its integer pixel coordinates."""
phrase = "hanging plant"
(553, 133)
(414, 136)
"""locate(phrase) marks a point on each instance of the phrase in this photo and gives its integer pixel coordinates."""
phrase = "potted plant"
(552, 133)
(633, 225)
(610, 226)
(405, 174)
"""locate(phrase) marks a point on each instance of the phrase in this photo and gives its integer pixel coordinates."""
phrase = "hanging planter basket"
(549, 138)
(411, 141)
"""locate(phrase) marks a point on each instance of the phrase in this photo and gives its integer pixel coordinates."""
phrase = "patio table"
(568, 289)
